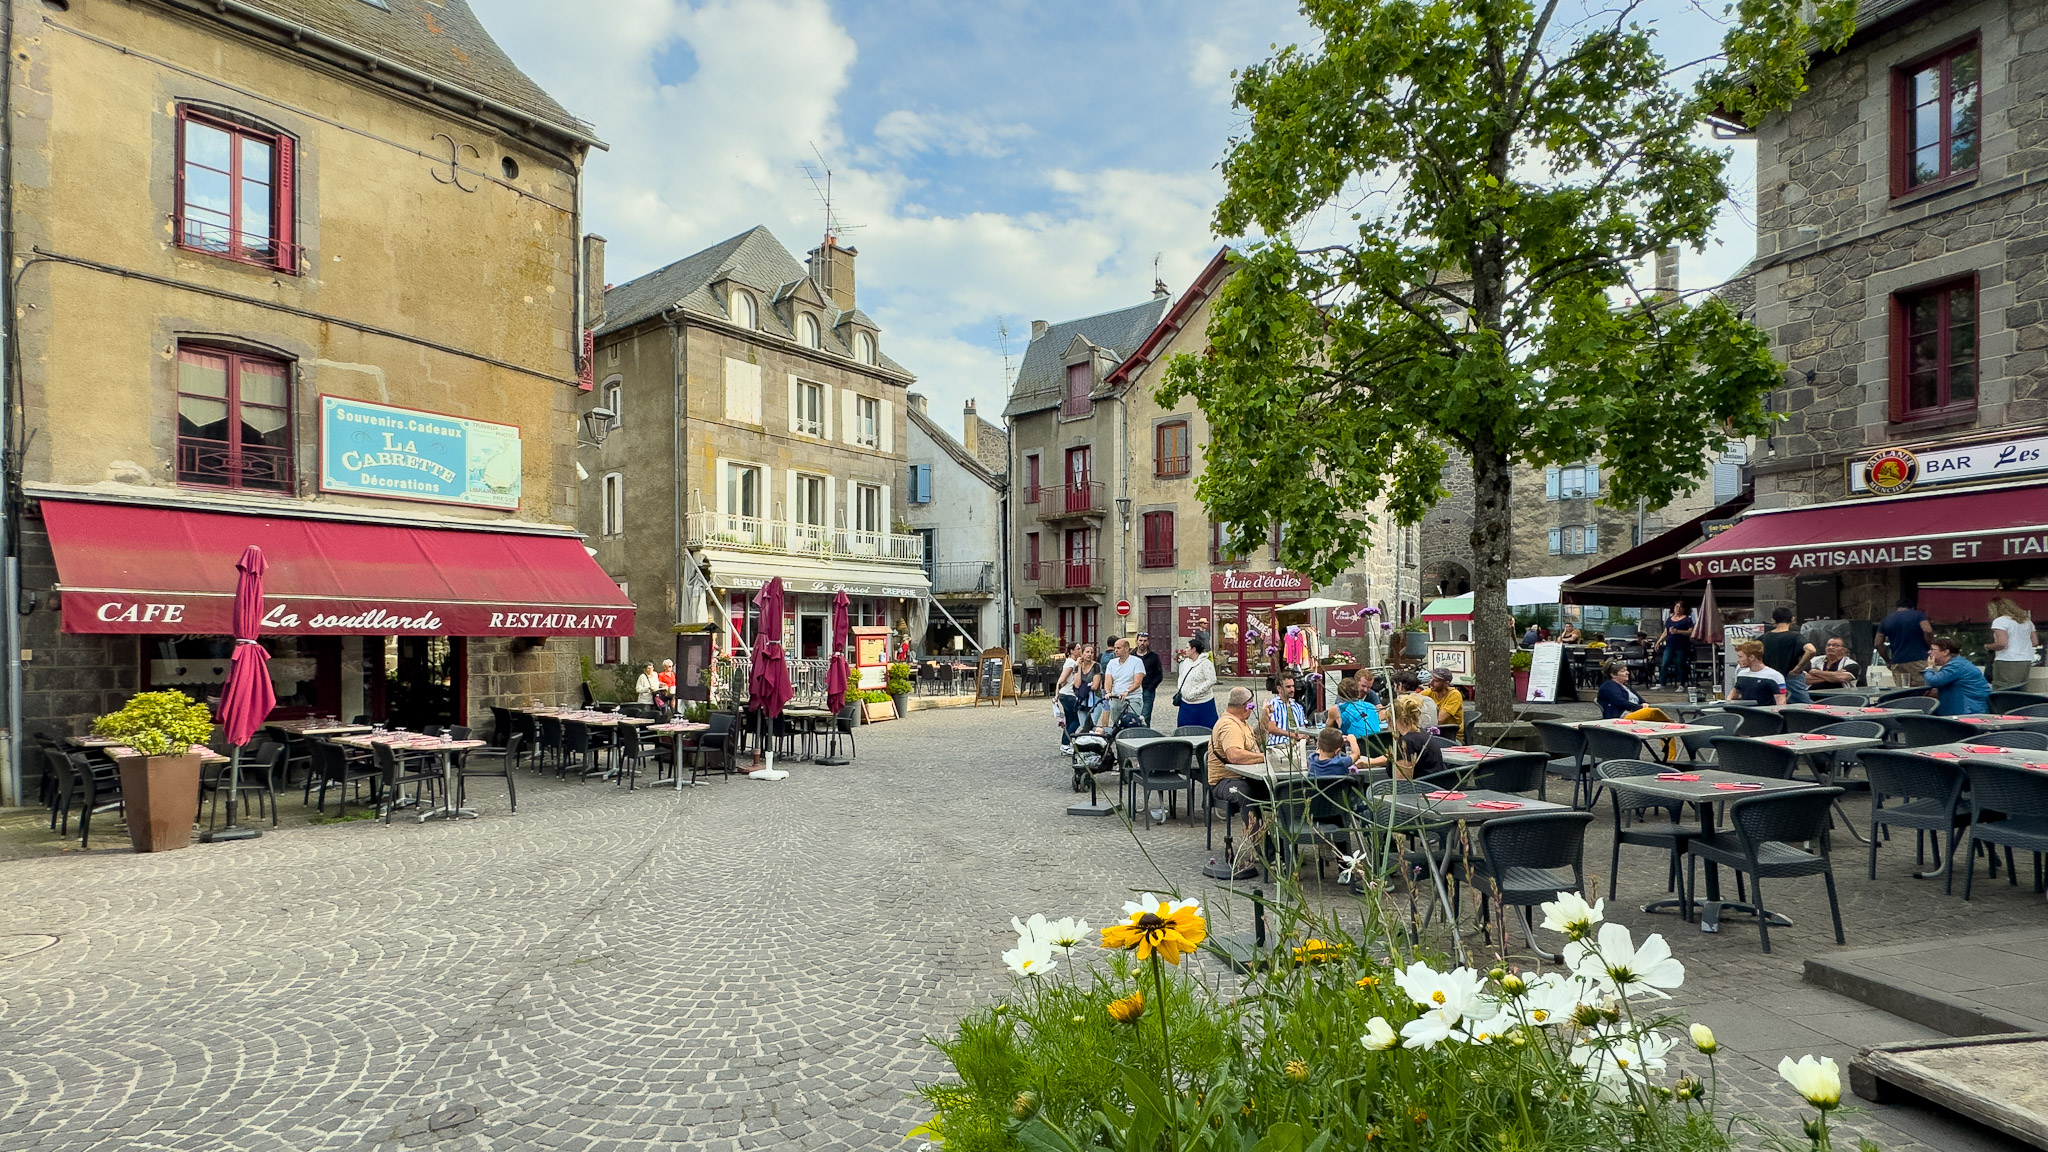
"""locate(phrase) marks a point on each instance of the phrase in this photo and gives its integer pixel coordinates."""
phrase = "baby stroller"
(1091, 749)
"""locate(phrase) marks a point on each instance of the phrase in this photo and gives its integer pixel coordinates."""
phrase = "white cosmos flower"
(1065, 934)
(1447, 998)
(1350, 865)
(1571, 915)
(1611, 1057)
(1619, 966)
(1817, 1080)
(1703, 1039)
(1032, 929)
(1552, 998)
(1379, 1035)
(1153, 903)
(1030, 958)
(1475, 1030)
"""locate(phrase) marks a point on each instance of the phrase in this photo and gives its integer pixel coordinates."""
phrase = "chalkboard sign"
(992, 676)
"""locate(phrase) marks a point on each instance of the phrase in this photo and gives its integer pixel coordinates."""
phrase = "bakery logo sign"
(1895, 470)
(1258, 582)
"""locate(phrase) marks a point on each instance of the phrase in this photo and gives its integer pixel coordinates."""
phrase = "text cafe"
(408, 618)
(1245, 617)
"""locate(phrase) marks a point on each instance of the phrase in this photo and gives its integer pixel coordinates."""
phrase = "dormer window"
(1080, 383)
(807, 330)
(863, 347)
(740, 306)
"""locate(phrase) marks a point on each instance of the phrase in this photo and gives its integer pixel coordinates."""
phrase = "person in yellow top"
(1450, 704)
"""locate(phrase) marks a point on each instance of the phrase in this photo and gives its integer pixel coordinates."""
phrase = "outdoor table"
(114, 749)
(414, 743)
(1466, 807)
(1466, 755)
(1992, 722)
(1646, 731)
(673, 729)
(1964, 750)
(808, 718)
(316, 727)
(1126, 749)
(1698, 788)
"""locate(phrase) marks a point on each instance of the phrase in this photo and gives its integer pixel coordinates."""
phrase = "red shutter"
(587, 369)
(286, 207)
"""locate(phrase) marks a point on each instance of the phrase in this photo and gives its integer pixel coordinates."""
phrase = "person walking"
(1121, 679)
(1155, 673)
(2012, 646)
(1676, 666)
(1064, 692)
(666, 694)
(1903, 637)
(1959, 685)
(1786, 651)
(1194, 690)
(647, 685)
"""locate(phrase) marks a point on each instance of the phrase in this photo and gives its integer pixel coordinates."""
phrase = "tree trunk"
(1493, 626)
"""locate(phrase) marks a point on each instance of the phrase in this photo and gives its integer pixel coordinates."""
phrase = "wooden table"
(407, 742)
(1698, 788)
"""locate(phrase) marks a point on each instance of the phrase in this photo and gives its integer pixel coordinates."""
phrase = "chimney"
(916, 400)
(1667, 272)
(1038, 328)
(593, 280)
(970, 431)
(832, 270)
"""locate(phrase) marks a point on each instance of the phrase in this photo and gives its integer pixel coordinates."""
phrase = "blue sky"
(1002, 159)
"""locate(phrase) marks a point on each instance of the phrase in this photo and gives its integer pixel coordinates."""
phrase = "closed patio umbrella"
(1707, 630)
(768, 685)
(836, 674)
(247, 697)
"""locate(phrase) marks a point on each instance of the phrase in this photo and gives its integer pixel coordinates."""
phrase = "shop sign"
(821, 587)
(211, 614)
(1349, 620)
(1894, 470)
(401, 454)
(1977, 548)
(1249, 583)
(1190, 619)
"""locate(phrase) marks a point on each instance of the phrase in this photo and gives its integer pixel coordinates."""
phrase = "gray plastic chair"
(1929, 799)
(1162, 767)
(2008, 809)
(1762, 843)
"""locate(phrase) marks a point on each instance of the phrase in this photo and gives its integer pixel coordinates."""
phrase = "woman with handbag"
(1195, 687)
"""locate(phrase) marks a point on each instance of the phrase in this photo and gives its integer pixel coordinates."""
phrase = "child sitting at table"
(1334, 755)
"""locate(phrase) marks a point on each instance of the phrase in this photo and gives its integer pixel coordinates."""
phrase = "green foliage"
(616, 685)
(1521, 661)
(158, 723)
(1506, 180)
(868, 695)
(1038, 644)
(902, 679)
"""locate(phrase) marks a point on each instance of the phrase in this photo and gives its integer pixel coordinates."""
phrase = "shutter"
(849, 416)
(888, 430)
(1592, 538)
(924, 484)
(793, 420)
(825, 414)
(1556, 541)
(1592, 480)
(887, 524)
(754, 394)
(789, 509)
(284, 208)
(831, 493)
(1550, 488)
(718, 471)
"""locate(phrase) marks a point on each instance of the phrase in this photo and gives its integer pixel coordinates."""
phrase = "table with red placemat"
(1444, 808)
(1704, 789)
(1993, 722)
(417, 744)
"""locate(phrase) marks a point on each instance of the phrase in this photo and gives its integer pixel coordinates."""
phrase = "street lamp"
(1123, 511)
(597, 424)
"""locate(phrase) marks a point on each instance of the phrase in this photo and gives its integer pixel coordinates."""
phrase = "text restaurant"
(411, 620)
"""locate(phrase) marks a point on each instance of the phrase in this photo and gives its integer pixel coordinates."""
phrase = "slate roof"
(1042, 378)
(754, 258)
(443, 39)
(952, 447)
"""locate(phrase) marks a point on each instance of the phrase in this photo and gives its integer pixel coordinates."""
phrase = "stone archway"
(1447, 578)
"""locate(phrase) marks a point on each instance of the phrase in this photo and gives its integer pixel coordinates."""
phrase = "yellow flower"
(1297, 1071)
(1314, 951)
(1368, 981)
(1128, 1009)
(1170, 929)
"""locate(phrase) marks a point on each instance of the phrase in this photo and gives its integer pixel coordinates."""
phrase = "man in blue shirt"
(1906, 633)
(1957, 683)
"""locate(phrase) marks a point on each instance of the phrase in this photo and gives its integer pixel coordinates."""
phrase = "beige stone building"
(757, 431)
(306, 275)
(1106, 504)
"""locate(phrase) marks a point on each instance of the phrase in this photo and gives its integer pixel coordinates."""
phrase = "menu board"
(992, 677)
(1544, 664)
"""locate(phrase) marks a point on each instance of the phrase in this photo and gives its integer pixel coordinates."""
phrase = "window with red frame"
(1158, 550)
(1088, 625)
(235, 191)
(1034, 619)
(1031, 478)
(1935, 130)
(234, 420)
(1080, 383)
(1031, 555)
(1170, 449)
(1070, 632)
(1934, 350)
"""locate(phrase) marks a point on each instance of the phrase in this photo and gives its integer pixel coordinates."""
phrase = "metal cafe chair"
(1926, 795)
(1763, 842)
(487, 763)
(392, 776)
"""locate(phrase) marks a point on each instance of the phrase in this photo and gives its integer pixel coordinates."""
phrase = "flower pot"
(1417, 643)
(1522, 685)
(161, 796)
(902, 704)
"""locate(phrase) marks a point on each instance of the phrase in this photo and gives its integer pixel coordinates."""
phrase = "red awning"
(133, 569)
(1979, 527)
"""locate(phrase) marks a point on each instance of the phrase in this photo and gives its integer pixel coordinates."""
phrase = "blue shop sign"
(402, 454)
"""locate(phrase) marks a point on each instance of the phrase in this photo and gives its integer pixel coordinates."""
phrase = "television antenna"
(821, 183)
(1003, 338)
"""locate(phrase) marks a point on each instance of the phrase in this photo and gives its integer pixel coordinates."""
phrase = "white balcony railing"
(782, 537)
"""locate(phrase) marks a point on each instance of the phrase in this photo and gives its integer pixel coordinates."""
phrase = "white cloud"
(906, 133)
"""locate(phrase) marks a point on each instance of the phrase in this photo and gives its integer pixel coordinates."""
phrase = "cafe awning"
(1527, 591)
(1647, 574)
(1983, 526)
(130, 568)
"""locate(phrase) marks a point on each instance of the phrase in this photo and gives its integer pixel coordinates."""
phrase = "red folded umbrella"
(247, 697)
(835, 675)
(768, 687)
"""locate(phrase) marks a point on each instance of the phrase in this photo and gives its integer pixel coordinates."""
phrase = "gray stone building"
(960, 507)
(1902, 242)
(758, 431)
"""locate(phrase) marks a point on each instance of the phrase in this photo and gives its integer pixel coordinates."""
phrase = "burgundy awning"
(1977, 527)
(136, 569)
(1647, 574)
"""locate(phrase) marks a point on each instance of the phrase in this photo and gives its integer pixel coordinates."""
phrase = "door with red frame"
(1159, 624)
(1080, 463)
(1080, 556)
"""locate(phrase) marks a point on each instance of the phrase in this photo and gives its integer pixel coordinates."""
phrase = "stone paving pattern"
(740, 965)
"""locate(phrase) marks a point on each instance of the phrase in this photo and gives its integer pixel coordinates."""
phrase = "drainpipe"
(10, 534)
(685, 610)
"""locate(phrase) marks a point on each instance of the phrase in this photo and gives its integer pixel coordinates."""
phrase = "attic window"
(740, 307)
(807, 330)
(863, 347)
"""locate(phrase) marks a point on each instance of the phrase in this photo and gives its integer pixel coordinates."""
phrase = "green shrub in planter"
(158, 723)
(1521, 660)
(1038, 644)
(902, 678)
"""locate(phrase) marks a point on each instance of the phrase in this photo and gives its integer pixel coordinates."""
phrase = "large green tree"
(1454, 196)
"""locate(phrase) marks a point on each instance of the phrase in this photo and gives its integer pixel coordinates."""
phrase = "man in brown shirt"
(1233, 744)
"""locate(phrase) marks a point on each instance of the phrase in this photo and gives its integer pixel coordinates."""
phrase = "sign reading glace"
(400, 454)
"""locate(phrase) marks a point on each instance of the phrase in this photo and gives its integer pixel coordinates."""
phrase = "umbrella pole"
(232, 831)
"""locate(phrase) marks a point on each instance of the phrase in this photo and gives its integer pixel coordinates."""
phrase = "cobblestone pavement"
(739, 965)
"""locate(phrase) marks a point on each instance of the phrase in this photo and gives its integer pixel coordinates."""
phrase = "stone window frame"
(1902, 185)
(1165, 467)
(1587, 535)
(1898, 302)
(864, 351)
(239, 126)
(809, 333)
(232, 471)
(737, 299)
(612, 504)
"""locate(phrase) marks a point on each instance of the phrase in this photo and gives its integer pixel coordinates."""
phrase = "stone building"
(1902, 242)
(961, 508)
(304, 275)
(1107, 510)
(757, 431)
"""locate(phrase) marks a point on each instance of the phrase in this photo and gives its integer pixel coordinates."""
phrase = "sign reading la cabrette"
(397, 453)
(1254, 582)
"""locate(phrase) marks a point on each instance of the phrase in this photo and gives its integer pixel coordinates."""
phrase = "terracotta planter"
(1522, 684)
(161, 795)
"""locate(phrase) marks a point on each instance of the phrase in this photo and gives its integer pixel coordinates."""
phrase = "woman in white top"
(1063, 701)
(647, 685)
(2012, 646)
(1195, 684)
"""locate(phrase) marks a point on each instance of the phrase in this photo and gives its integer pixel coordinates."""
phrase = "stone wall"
(1446, 533)
(66, 679)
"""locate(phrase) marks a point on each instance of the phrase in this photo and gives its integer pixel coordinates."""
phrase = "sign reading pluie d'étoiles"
(401, 454)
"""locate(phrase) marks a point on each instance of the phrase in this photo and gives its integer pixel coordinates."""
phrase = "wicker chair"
(1565, 745)
(1754, 757)
(1762, 845)
(1527, 860)
(1926, 731)
(1929, 800)
(1668, 834)
(2009, 809)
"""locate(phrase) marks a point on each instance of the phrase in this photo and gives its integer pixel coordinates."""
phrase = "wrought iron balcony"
(1073, 500)
(966, 578)
(788, 538)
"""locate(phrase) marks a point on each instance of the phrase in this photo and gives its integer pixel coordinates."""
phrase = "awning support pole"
(933, 600)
